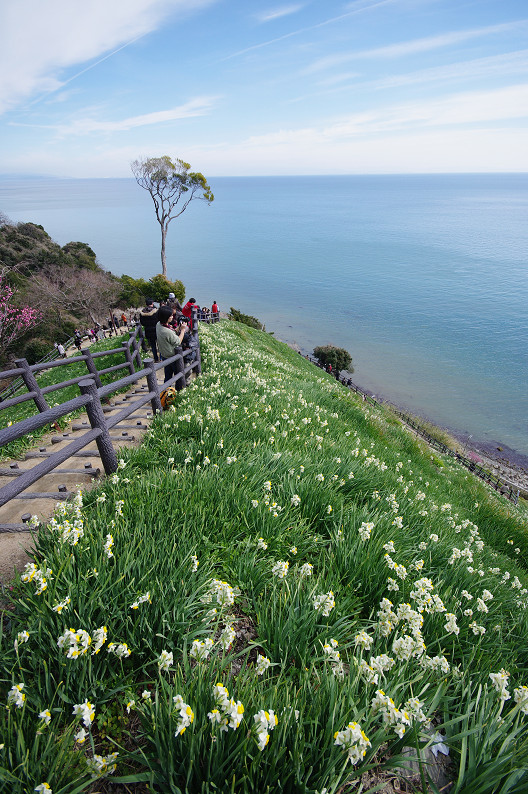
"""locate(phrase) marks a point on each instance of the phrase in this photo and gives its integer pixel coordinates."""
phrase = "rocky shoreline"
(506, 463)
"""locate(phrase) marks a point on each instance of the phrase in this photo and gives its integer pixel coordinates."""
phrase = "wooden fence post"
(92, 369)
(137, 342)
(31, 384)
(179, 366)
(97, 419)
(128, 356)
(194, 315)
(152, 383)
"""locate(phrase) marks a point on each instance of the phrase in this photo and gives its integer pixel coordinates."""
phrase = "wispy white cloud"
(493, 67)
(455, 150)
(39, 40)
(504, 65)
(200, 106)
(368, 6)
(412, 47)
(277, 13)
(490, 107)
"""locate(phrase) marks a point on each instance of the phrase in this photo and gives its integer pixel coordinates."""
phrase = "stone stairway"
(79, 471)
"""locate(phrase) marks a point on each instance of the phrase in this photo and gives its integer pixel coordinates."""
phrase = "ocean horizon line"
(21, 176)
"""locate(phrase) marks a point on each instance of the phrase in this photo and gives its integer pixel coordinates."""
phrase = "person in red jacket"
(187, 310)
(214, 312)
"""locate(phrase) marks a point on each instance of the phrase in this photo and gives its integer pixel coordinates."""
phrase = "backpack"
(168, 397)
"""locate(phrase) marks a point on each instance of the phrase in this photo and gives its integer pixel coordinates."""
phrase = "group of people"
(157, 321)
(94, 334)
(170, 327)
(203, 313)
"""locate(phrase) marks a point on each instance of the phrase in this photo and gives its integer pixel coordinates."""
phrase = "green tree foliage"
(83, 255)
(172, 187)
(160, 286)
(336, 356)
(246, 319)
(134, 291)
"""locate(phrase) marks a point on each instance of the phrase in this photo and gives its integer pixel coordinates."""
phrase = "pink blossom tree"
(15, 320)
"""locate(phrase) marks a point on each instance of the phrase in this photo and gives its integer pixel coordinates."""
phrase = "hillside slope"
(280, 590)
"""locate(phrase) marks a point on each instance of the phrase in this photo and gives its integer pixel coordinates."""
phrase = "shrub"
(336, 356)
(37, 349)
(246, 319)
(160, 287)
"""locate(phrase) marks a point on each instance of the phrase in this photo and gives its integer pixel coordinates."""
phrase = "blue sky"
(249, 87)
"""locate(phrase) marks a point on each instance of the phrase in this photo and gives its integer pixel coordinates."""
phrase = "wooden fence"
(92, 393)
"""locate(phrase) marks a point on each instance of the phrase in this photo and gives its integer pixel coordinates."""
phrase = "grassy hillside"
(280, 590)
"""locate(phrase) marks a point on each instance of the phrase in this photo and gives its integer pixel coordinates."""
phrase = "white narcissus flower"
(186, 714)
(85, 711)
(280, 569)
(45, 716)
(22, 637)
(263, 663)
(165, 661)
(365, 529)
(15, 696)
(324, 603)
(201, 650)
(353, 741)
(520, 695)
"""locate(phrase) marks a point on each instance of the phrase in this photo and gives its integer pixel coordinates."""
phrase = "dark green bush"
(336, 356)
(246, 319)
(37, 349)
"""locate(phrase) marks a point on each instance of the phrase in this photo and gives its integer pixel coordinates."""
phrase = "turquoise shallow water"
(424, 279)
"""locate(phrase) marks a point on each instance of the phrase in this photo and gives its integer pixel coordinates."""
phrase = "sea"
(422, 278)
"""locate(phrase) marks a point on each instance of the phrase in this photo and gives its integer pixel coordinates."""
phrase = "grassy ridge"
(280, 590)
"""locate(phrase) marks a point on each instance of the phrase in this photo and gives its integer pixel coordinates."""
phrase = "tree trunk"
(163, 257)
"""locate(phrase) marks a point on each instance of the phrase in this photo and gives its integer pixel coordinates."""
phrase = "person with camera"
(169, 339)
(148, 317)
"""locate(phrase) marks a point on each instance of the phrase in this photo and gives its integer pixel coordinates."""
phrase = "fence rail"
(18, 382)
(92, 393)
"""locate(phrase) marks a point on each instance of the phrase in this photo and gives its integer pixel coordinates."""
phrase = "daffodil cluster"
(143, 599)
(77, 642)
(265, 721)
(185, 714)
(324, 603)
(227, 713)
(41, 575)
(86, 711)
(353, 741)
(67, 522)
(101, 765)
(220, 592)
